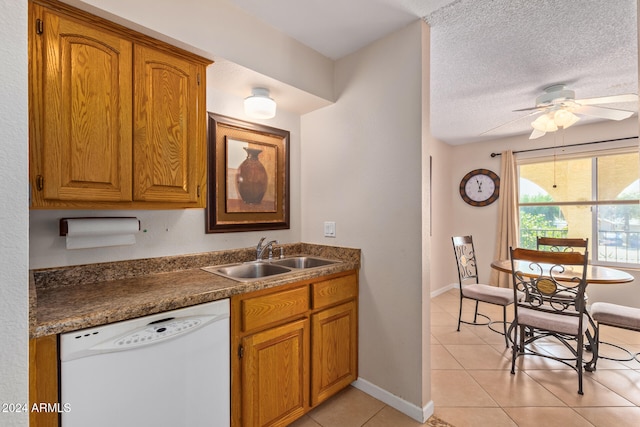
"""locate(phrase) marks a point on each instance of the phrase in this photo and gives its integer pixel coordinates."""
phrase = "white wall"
(482, 222)
(168, 232)
(14, 262)
(361, 167)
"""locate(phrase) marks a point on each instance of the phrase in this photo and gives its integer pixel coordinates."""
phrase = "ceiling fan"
(559, 108)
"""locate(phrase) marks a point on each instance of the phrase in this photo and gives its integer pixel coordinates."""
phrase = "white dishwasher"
(165, 370)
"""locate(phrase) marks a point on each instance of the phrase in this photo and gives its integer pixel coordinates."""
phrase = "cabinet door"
(43, 380)
(167, 139)
(275, 375)
(334, 350)
(81, 98)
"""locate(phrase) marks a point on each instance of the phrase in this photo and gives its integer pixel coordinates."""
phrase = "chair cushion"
(616, 315)
(550, 321)
(487, 293)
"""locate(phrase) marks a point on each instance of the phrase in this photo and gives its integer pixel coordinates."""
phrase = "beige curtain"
(508, 217)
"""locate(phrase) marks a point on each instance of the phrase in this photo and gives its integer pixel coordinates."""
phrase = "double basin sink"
(254, 270)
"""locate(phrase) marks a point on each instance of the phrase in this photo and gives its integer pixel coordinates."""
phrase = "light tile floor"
(471, 383)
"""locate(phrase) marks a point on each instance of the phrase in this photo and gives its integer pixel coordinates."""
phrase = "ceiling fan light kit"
(564, 118)
(544, 123)
(552, 121)
(558, 107)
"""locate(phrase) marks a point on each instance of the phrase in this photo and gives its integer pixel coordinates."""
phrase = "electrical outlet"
(329, 229)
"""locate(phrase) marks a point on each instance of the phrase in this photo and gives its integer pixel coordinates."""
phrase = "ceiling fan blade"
(627, 97)
(540, 108)
(604, 112)
(533, 113)
(536, 134)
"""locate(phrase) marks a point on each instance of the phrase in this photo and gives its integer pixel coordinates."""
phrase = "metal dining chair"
(551, 308)
(617, 316)
(471, 289)
(561, 244)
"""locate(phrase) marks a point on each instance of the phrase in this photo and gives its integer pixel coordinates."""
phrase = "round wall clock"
(480, 187)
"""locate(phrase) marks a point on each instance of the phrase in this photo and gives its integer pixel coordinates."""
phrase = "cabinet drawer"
(335, 290)
(263, 310)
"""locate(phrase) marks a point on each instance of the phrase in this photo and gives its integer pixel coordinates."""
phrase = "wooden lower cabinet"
(43, 380)
(334, 350)
(295, 346)
(275, 378)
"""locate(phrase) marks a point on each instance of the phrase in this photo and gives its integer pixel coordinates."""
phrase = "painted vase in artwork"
(252, 178)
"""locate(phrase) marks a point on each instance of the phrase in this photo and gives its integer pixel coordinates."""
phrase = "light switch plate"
(329, 229)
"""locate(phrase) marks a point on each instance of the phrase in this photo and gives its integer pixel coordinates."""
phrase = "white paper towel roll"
(85, 233)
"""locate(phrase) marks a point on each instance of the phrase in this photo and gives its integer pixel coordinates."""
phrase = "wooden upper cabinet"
(165, 126)
(118, 120)
(86, 111)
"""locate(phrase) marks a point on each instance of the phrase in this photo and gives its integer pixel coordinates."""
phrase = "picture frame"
(248, 176)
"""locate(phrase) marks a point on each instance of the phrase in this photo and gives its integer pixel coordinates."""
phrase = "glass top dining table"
(595, 273)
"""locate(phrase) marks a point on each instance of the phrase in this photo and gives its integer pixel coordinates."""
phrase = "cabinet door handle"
(39, 26)
(39, 182)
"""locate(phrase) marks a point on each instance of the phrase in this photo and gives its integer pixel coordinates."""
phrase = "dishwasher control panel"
(158, 331)
(140, 332)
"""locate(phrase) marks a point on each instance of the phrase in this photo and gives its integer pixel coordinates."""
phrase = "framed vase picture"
(248, 176)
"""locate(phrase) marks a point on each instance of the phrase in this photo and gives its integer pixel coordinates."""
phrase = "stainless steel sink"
(254, 270)
(248, 270)
(304, 262)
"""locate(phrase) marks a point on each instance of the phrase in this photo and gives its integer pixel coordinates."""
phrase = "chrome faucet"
(261, 248)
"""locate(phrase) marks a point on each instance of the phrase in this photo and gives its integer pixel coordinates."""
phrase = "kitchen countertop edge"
(56, 309)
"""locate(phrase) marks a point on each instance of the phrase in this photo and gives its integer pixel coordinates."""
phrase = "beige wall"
(362, 168)
(443, 226)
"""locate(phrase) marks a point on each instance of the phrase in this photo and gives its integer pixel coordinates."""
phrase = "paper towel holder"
(64, 224)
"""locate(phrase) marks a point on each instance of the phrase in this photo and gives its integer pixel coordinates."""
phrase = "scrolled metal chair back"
(548, 282)
(562, 244)
(465, 258)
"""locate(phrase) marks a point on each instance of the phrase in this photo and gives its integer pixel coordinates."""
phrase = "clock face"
(480, 187)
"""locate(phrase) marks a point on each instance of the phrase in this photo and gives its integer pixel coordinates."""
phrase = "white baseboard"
(417, 413)
(445, 289)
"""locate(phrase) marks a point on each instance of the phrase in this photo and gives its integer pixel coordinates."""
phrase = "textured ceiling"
(488, 57)
(492, 57)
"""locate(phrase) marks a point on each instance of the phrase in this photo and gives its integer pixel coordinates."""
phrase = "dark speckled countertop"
(76, 297)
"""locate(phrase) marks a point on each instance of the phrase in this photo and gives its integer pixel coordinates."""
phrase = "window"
(595, 196)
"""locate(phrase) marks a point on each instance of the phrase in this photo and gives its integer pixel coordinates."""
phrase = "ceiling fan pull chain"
(555, 136)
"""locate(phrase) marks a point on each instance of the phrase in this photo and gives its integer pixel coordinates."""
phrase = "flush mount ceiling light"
(259, 105)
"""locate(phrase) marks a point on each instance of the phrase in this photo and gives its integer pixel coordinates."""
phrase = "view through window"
(596, 197)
